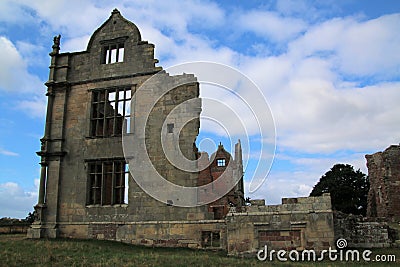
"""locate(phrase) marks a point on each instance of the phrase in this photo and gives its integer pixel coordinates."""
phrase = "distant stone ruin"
(384, 178)
(380, 227)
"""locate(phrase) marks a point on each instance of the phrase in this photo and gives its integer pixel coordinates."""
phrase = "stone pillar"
(42, 183)
(38, 228)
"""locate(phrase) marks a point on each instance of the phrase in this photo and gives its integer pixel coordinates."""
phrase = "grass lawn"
(16, 250)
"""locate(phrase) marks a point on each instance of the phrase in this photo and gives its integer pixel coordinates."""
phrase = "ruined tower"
(384, 178)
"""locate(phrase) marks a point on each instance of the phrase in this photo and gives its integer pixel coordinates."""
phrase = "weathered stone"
(287, 226)
(384, 178)
(360, 233)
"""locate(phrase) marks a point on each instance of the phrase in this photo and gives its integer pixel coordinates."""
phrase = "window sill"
(107, 206)
(113, 63)
(103, 137)
(112, 136)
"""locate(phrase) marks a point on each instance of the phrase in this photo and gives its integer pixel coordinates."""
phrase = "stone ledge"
(301, 223)
(143, 222)
(276, 212)
(261, 223)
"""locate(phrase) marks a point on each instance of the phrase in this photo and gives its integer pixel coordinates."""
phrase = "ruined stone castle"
(384, 178)
(86, 189)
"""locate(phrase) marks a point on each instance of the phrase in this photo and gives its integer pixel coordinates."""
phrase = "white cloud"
(163, 23)
(362, 48)
(10, 12)
(280, 185)
(315, 117)
(35, 107)
(320, 164)
(175, 17)
(8, 153)
(290, 7)
(58, 14)
(34, 55)
(15, 201)
(372, 47)
(14, 76)
(315, 108)
(270, 25)
(75, 44)
(302, 176)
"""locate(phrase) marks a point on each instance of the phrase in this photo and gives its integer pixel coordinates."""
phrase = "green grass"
(16, 250)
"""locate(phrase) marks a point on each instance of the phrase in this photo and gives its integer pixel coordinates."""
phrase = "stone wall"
(152, 233)
(384, 178)
(298, 223)
(68, 145)
(14, 229)
(362, 232)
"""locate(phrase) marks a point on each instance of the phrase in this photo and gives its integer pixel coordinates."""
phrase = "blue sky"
(330, 71)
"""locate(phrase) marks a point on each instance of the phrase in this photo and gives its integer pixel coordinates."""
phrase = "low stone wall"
(14, 229)
(362, 232)
(298, 223)
(175, 234)
(193, 234)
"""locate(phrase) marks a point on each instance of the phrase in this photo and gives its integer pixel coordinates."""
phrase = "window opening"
(170, 127)
(108, 182)
(126, 183)
(211, 239)
(110, 109)
(113, 53)
(220, 162)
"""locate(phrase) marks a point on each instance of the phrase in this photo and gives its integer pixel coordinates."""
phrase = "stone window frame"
(211, 239)
(221, 162)
(105, 124)
(107, 181)
(108, 46)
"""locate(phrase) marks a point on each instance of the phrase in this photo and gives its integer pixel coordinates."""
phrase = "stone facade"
(384, 178)
(86, 190)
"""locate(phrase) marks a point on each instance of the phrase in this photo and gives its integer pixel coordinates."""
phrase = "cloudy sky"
(330, 71)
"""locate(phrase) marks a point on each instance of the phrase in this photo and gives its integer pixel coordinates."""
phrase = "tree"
(348, 189)
(30, 218)
(247, 201)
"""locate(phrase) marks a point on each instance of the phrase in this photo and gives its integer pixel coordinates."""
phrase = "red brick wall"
(211, 173)
(287, 240)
